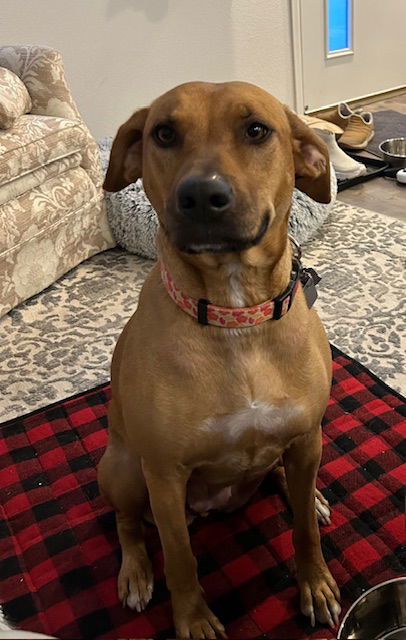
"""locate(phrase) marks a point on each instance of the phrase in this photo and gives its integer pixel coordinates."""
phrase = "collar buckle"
(202, 305)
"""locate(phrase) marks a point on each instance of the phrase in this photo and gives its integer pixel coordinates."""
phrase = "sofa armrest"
(42, 71)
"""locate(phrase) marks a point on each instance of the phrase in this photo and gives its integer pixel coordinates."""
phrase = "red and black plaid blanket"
(58, 543)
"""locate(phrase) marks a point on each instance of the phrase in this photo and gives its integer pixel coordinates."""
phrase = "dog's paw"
(322, 509)
(193, 619)
(135, 582)
(319, 595)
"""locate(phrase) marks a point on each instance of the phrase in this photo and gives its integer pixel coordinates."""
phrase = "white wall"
(121, 54)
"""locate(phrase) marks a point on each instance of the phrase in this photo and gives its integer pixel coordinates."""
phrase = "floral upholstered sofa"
(52, 210)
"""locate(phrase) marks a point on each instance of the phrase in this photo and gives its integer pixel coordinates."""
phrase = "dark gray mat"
(388, 124)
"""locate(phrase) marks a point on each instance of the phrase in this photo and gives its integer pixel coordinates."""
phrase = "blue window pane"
(338, 28)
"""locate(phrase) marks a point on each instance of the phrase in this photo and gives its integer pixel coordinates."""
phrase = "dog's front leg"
(319, 594)
(167, 492)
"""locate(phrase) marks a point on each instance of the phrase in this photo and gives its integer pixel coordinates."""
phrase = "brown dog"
(200, 413)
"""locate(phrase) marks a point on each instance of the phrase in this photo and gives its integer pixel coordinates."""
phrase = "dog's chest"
(247, 442)
(266, 404)
(253, 423)
(250, 441)
(257, 418)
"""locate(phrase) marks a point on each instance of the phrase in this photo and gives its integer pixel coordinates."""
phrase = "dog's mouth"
(228, 244)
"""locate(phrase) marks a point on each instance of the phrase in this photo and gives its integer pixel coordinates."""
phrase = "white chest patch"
(236, 289)
(257, 415)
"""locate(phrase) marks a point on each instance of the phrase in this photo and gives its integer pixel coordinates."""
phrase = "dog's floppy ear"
(125, 164)
(312, 162)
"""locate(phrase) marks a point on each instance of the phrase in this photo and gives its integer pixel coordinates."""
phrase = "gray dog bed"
(134, 222)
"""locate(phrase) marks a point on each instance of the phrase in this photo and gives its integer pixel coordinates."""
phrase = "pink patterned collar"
(229, 317)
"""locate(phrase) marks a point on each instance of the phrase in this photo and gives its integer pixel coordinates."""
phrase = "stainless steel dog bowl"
(379, 614)
(394, 151)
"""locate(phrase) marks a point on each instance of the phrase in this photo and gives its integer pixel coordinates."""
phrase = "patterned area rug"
(60, 342)
(59, 546)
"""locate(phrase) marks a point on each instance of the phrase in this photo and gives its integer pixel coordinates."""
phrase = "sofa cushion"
(47, 231)
(28, 181)
(14, 98)
(36, 141)
(40, 208)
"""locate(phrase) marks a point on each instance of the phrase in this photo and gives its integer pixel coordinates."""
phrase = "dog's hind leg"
(122, 484)
(321, 503)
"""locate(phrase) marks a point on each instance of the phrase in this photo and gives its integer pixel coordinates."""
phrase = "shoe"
(359, 131)
(340, 115)
(317, 123)
(344, 166)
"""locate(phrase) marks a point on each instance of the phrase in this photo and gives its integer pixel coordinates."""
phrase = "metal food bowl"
(379, 614)
(394, 151)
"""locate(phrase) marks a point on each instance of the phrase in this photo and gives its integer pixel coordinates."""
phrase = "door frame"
(296, 23)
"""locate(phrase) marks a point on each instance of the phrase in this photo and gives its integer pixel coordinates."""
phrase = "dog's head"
(219, 163)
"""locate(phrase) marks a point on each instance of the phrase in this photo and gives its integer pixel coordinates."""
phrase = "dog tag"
(309, 280)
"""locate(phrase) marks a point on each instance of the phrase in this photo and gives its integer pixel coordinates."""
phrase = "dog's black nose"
(201, 197)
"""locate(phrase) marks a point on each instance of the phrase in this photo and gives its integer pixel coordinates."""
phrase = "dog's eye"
(164, 135)
(257, 132)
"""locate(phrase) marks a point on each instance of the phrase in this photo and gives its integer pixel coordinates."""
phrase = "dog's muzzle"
(206, 215)
(204, 198)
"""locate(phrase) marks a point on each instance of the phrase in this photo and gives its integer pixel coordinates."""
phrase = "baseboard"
(369, 98)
